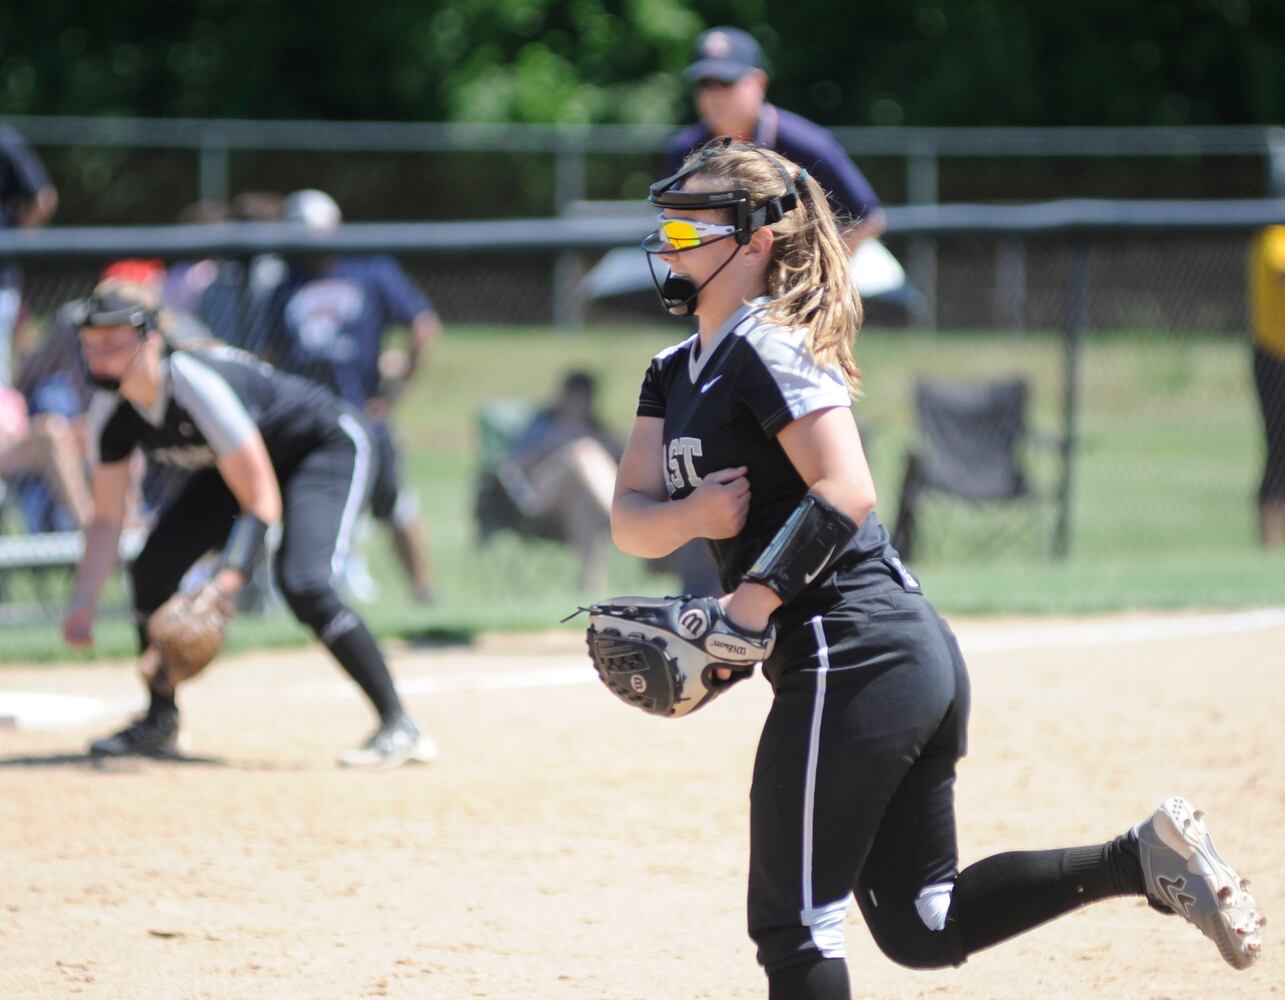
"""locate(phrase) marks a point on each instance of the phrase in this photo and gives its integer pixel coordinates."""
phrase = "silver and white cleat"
(1184, 873)
(394, 743)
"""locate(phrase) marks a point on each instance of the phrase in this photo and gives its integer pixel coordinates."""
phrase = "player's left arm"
(869, 228)
(241, 456)
(406, 303)
(37, 198)
(39, 209)
(824, 447)
(425, 330)
(249, 474)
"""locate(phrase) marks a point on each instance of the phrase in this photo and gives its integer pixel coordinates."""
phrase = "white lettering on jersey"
(192, 456)
(319, 314)
(682, 470)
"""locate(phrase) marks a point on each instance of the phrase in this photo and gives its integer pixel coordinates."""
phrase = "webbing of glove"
(185, 634)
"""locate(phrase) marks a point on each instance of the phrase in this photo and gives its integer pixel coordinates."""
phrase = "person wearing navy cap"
(730, 86)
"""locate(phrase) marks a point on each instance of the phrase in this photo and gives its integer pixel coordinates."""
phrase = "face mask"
(107, 310)
(679, 294)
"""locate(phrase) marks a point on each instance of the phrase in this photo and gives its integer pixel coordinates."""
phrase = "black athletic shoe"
(393, 743)
(154, 734)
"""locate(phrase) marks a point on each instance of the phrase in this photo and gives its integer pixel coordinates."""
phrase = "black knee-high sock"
(1007, 894)
(160, 701)
(824, 979)
(350, 642)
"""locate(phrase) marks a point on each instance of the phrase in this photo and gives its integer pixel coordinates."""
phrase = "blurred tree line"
(912, 62)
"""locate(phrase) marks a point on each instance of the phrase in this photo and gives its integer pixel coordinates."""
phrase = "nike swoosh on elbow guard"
(809, 577)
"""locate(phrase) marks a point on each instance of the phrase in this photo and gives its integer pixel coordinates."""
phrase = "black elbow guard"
(807, 542)
(245, 542)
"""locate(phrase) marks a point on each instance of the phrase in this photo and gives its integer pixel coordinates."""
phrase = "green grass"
(1162, 513)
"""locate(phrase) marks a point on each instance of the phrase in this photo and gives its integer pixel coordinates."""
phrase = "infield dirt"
(565, 846)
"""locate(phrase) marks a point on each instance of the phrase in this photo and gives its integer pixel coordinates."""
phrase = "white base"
(36, 710)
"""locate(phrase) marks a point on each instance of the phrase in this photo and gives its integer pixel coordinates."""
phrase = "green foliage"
(921, 62)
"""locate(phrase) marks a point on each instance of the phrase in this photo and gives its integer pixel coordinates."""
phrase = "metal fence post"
(921, 257)
(213, 170)
(1275, 162)
(568, 265)
(1010, 284)
(1076, 322)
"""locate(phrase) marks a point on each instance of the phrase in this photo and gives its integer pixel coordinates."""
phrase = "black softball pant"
(322, 496)
(853, 787)
(853, 795)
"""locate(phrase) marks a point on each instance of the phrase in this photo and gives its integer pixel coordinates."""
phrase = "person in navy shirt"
(731, 95)
(27, 200)
(327, 321)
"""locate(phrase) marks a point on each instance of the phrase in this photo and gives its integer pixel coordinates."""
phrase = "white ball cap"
(315, 209)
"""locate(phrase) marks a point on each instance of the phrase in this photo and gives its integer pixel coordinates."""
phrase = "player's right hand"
(78, 626)
(719, 505)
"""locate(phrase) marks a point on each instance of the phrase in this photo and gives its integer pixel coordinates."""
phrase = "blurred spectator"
(1267, 321)
(227, 296)
(328, 320)
(561, 470)
(562, 467)
(43, 448)
(27, 200)
(186, 280)
(47, 473)
(730, 87)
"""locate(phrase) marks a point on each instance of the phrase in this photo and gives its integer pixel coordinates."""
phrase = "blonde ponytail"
(808, 278)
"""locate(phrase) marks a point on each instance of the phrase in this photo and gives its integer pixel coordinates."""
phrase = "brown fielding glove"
(186, 633)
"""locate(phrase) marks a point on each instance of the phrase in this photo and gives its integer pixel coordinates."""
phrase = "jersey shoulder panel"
(782, 381)
(204, 391)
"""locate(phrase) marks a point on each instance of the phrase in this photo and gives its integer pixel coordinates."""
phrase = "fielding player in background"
(730, 88)
(853, 788)
(266, 448)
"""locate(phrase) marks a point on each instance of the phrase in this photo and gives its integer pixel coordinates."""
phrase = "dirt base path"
(565, 846)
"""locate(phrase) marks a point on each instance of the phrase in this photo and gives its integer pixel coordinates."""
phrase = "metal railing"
(214, 140)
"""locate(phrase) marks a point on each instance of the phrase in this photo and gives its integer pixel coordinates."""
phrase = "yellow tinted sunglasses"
(684, 234)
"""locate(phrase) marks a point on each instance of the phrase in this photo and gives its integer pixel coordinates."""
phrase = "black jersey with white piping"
(209, 403)
(724, 406)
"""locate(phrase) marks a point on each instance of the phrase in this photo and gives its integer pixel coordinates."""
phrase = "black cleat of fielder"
(152, 735)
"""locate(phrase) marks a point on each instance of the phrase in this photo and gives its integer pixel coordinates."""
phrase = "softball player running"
(264, 447)
(852, 793)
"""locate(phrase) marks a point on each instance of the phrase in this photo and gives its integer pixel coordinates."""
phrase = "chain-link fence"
(1137, 430)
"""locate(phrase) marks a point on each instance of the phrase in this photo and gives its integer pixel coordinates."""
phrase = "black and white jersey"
(723, 408)
(210, 403)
